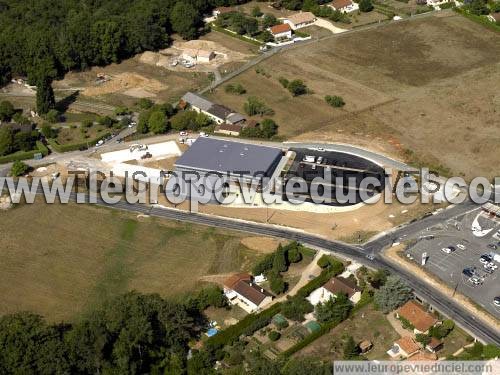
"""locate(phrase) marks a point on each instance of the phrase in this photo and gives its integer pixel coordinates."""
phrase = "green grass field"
(61, 260)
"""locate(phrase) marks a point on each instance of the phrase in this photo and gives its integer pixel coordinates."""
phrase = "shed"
(279, 320)
(312, 326)
(365, 346)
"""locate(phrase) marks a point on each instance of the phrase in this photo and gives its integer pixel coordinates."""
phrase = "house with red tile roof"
(281, 31)
(404, 348)
(333, 287)
(417, 315)
(344, 6)
(241, 290)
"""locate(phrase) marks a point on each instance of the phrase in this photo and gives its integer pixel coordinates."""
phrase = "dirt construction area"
(429, 85)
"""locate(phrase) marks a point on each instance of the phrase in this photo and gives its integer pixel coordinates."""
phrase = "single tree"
(6, 111)
(351, 350)
(6, 140)
(297, 87)
(268, 128)
(365, 6)
(19, 168)
(45, 100)
(256, 12)
(392, 294)
(157, 122)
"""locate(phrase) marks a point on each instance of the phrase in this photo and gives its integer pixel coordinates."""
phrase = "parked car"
(461, 246)
(309, 158)
(496, 301)
(488, 269)
(99, 143)
(183, 134)
(492, 246)
(147, 155)
(203, 134)
(320, 159)
(491, 265)
(469, 272)
(448, 250)
(476, 280)
(485, 259)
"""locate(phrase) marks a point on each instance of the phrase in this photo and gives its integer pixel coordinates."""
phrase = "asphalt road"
(444, 303)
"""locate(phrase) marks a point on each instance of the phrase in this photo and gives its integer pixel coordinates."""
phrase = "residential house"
(435, 3)
(333, 287)
(198, 55)
(281, 31)
(299, 20)
(415, 313)
(218, 113)
(241, 290)
(434, 345)
(494, 17)
(229, 129)
(404, 347)
(344, 6)
(222, 10)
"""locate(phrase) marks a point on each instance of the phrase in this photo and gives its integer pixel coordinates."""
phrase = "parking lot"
(310, 164)
(449, 267)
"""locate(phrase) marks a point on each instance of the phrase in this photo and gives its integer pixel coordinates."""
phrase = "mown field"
(61, 260)
(428, 85)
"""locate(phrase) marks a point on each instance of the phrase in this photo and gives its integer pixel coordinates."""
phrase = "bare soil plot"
(77, 256)
(428, 85)
(131, 80)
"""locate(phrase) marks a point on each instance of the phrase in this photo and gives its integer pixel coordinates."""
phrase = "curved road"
(440, 301)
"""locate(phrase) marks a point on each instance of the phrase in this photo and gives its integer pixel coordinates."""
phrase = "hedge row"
(42, 148)
(25, 155)
(253, 322)
(76, 146)
(479, 19)
(235, 35)
(248, 325)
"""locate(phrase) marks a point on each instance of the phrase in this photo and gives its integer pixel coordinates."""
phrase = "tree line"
(131, 334)
(44, 39)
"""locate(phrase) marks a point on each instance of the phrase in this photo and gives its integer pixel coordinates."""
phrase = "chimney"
(261, 290)
(250, 284)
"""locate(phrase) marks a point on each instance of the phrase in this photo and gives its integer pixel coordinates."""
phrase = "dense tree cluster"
(239, 23)
(131, 334)
(45, 38)
(190, 120)
(155, 118)
(334, 310)
(266, 129)
(13, 138)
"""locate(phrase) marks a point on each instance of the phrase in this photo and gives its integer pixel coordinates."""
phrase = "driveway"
(328, 25)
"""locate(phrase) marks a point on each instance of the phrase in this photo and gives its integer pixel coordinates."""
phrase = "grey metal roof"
(209, 154)
(197, 101)
(234, 118)
(219, 111)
